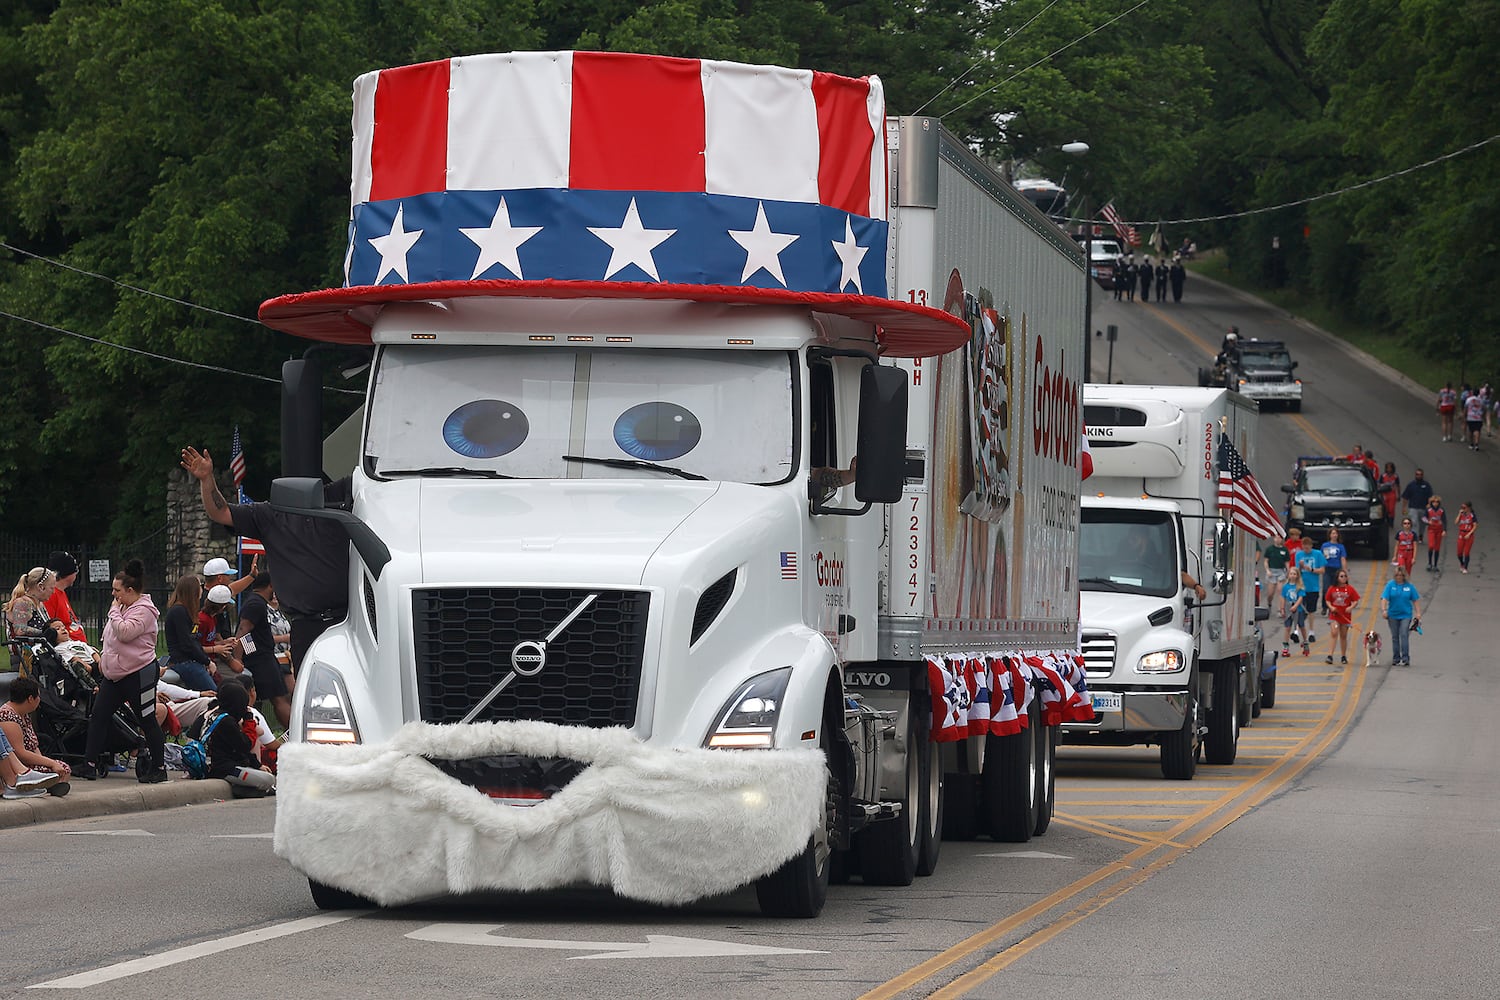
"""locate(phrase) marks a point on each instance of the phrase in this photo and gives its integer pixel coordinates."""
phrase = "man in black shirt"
(310, 554)
(260, 647)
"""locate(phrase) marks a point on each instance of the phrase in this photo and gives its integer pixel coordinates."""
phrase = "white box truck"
(1163, 667)
(686, 471)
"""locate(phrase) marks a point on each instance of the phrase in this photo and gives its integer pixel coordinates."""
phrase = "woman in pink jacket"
(129, 665)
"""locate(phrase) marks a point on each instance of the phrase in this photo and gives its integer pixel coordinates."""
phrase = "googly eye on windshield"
(655, 432)
(485, 428)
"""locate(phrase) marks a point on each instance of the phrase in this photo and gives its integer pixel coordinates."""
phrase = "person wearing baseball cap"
(64, 567)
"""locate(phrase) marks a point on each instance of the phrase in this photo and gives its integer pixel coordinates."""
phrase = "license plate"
(1106, 701)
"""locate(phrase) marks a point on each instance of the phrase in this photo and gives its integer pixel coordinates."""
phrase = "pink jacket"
(129, 638)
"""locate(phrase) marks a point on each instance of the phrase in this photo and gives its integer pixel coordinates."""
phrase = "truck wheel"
(1046, 773)
(1179, 750)
(1268, 692)
(799, 888)
(888, 849)
(960, 806)
(1380, 545)
(1224, 716)
(1204, 377)
(326, 897)
(1010, 783)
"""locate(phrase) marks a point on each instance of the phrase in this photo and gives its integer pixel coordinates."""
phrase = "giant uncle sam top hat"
(574, 175)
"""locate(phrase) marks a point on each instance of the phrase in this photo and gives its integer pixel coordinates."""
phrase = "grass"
(1382, 344)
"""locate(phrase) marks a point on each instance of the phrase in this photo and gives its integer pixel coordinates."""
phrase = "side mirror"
(302, 418)
(880, 473)
(304, 495)
(1262, 614)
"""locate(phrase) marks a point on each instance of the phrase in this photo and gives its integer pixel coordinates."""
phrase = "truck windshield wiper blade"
(445, 470)
(634, 463)
(1101, 583)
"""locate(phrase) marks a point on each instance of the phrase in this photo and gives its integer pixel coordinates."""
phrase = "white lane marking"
(1028, 854)
(150, 963)
(240, 836)
(105, 833)
(655, 945)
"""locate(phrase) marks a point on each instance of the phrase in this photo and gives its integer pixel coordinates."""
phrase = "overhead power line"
(988, 55)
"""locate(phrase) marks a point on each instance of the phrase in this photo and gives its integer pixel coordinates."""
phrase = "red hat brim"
(344, 315)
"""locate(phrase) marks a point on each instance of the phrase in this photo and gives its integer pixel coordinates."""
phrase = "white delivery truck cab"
(702, 481)
(1164, 667)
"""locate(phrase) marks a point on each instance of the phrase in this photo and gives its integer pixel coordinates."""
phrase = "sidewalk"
(119, 793)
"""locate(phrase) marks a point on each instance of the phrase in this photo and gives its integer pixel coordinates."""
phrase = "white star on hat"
(850, 254)
(393, 247)
(763, 247)
(632, 243)
(498, 243)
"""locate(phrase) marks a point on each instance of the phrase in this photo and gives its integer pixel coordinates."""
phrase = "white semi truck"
(1164, 667)
(701, 490)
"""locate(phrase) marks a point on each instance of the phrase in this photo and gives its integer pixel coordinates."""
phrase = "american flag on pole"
(1113, 216)
(237, 460)
(1241, 497)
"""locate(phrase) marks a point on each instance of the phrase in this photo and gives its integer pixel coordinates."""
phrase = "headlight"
(1164, 661)
(748, 719)
(326, 714)
(1377, 510)
(1297, 511)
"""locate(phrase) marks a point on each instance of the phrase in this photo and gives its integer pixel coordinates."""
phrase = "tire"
(1204, 377)
(1046, 772)
(1179, 750)
(1010, 783)
(1268, 692)
(799, 888)
(326, 897)
(888, 850)
(1380, 545)
(1224, 717)
(960, 806)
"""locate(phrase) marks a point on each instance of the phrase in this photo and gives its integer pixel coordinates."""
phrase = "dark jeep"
(1338, 493)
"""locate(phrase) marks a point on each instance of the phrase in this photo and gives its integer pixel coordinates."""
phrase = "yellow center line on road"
(1114, 880)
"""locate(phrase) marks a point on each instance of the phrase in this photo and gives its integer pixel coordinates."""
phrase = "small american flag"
(789, 565)
(1113, 215)
(1241, 496)
(237, 459)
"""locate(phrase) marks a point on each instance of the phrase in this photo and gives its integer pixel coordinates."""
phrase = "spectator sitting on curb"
(223, 647)
(266, 742)
(186, 704)
(230, 754)
(187, 654)
(15, 723)
(20, 781)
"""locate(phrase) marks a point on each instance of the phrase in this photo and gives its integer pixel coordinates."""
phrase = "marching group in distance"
(1306, 576)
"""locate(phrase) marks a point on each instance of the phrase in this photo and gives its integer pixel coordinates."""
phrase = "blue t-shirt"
(1289, 593)
(1309, 562)
(1399, 598)
(1333, 556)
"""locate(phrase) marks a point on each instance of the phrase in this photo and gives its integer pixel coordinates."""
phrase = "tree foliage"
(198, 149)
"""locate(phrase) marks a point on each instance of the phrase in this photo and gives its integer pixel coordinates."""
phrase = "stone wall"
(197, 539)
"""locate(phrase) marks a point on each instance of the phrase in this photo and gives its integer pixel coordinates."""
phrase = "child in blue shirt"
(1293, 614)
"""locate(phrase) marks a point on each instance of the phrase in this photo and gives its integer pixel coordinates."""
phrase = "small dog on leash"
(1372, 647)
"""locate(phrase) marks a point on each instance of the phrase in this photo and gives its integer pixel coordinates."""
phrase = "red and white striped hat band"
(604, 175)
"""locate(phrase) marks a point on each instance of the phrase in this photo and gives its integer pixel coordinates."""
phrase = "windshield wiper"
(1101, 583)
(444, 470)
(634, 463)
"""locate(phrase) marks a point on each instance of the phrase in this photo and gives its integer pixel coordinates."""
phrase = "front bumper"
(656, 824)
(1140, 712)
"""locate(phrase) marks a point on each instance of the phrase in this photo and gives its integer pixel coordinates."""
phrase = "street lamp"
(1081, 149)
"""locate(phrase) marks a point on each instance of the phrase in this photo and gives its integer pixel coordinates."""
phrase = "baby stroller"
(62, 720)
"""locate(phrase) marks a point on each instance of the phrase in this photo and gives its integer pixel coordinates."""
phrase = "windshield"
(1265, 359)
(511, 411)
(1335, 481)
(1123, 551)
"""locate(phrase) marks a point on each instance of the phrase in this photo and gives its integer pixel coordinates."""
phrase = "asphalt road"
(1349, 852)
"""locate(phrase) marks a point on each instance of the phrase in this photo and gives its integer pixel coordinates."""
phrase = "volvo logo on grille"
(528, 658)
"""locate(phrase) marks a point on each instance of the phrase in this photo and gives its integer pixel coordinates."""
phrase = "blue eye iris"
(485, 428)
(656, 431)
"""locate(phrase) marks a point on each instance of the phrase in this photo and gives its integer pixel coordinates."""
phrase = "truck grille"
(1266, 378)
(463, 638)
(1098, 654)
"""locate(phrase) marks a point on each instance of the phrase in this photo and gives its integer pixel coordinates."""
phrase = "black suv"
(1338, 493)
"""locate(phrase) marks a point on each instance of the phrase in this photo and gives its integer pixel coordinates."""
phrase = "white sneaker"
(22, 793)
(39, 780)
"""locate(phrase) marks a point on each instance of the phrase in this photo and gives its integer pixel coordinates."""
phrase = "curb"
(129, 797)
